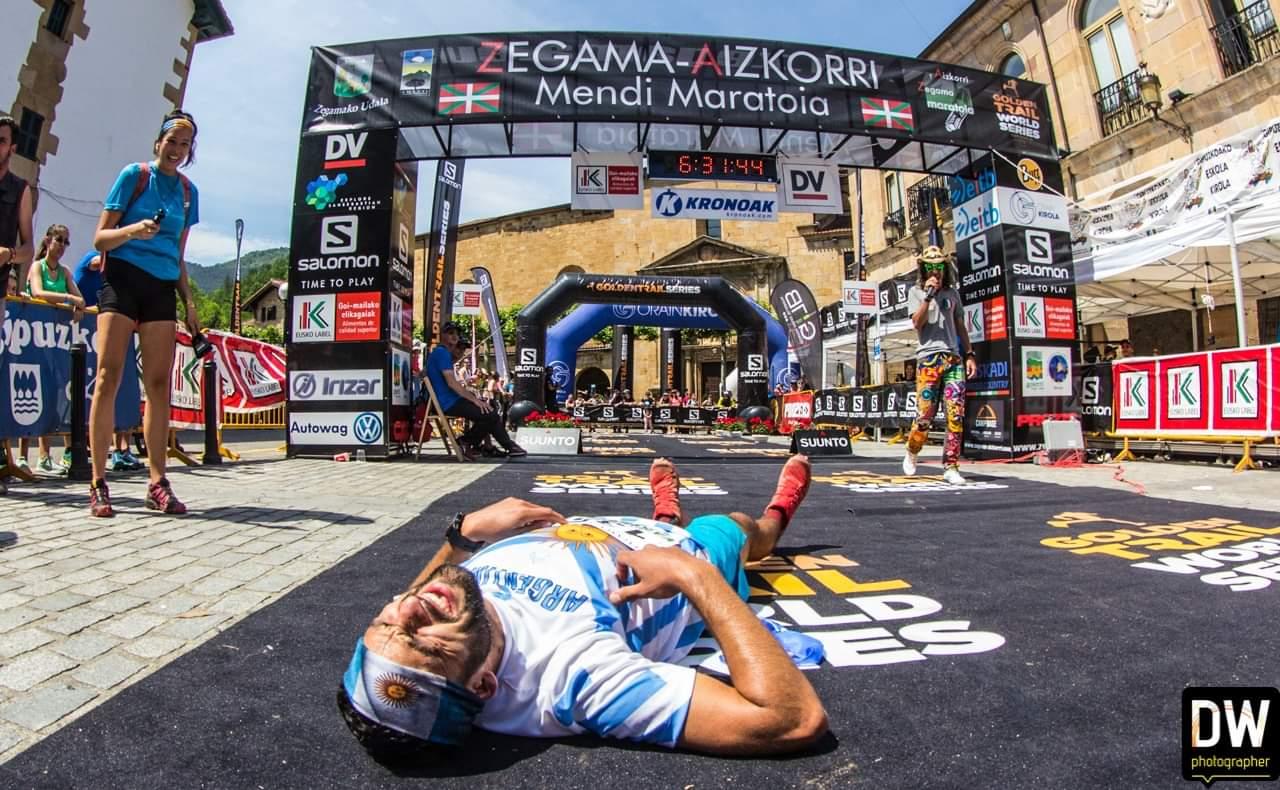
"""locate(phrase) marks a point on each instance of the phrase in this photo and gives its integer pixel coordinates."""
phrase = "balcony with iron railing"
(932, 191)
(1247, 37)
(1120, 103)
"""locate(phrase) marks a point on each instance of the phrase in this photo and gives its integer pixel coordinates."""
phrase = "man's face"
(6, 145)
(439, 627)
(449, 338)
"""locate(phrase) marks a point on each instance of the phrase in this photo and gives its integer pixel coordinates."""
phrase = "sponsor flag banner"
(442, 248)
(737, 204)
(489, 300)
(624, 352)
(798, 311)
(809, 187)
(860, 297)
(836, 322)
(607, 181)
(35, 371)
(186, 386)
(893, 297)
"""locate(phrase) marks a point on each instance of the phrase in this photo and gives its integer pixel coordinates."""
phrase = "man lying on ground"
(528, 623)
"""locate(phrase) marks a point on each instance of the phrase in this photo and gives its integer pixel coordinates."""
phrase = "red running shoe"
(664, 483)
(793, 484)
(160, 497)
(100, 500)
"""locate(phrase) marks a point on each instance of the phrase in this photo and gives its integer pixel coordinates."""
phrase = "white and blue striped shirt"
(574, 662)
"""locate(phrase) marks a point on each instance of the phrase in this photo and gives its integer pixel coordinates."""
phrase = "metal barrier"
(257, 420)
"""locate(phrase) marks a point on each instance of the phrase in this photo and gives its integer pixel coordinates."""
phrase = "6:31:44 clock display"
(710, 165)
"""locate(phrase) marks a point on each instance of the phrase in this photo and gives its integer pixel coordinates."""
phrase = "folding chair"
(444, 427)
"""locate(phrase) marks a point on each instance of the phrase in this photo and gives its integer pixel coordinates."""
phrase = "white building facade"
(88, 81)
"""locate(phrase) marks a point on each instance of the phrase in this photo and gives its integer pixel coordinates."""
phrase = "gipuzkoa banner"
(670, 79)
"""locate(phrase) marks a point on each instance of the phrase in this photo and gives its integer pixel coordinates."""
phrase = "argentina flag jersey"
(573, 661)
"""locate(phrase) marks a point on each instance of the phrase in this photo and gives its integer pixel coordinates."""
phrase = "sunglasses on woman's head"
(60, 239)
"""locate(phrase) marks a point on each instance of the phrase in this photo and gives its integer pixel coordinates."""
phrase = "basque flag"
(468, 98)
(888, 114)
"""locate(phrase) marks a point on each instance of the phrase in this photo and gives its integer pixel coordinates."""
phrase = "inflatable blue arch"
(583, 322)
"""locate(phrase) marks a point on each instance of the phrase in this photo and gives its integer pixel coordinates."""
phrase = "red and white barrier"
(1233, 392)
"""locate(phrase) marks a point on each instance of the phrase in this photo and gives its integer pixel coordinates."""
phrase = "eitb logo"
(1230, 733)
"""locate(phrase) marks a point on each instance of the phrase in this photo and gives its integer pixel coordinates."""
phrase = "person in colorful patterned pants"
(944, 359)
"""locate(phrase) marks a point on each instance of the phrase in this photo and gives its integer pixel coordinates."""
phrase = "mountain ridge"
(211, 277)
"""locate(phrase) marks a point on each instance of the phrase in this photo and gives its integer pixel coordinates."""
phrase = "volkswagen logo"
(368, 428)
(669, 203)
(304, 385)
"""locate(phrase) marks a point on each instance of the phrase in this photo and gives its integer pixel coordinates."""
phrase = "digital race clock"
(711, 166)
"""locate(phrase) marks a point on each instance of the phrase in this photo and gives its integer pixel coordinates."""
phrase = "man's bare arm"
(771, 707)
(490, 525)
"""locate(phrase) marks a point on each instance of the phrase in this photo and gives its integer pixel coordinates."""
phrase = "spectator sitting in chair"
(458, 401)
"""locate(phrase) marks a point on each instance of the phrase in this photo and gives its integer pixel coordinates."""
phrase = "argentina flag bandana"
(410, 701)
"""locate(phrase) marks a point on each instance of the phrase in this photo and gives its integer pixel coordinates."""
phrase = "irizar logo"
(26, 402)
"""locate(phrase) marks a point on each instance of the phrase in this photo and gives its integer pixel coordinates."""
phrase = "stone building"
(526, 251)
(264, 307)
(1218, 75)
(88, 81)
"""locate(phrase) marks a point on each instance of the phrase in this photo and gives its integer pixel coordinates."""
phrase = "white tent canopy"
(1164, 239)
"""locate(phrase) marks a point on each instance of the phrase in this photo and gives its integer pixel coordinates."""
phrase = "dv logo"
(343, 150)
(368, 428)
(1229, 733)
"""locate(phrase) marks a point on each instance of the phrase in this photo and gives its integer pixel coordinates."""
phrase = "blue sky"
(246, 91)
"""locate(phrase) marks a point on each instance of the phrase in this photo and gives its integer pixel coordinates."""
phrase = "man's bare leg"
(764, 532)
(664, 483)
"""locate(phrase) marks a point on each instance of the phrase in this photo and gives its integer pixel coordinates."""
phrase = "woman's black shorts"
(132, 292)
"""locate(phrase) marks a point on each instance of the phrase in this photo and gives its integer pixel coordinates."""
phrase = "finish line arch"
(729, 308)
(374, 109)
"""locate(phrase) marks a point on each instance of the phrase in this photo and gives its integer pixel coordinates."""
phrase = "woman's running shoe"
(160, 497)
(22, 465)
(45, 464)
(65, 462)
(130, 460)
(100, 500)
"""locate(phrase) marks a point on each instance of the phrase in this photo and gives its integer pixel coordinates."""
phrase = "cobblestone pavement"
(89, 606)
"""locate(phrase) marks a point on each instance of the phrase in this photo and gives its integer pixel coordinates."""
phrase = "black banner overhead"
(437, 301)
(526, 94)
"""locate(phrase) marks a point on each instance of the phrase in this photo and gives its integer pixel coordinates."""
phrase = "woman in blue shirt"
(144, 225)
